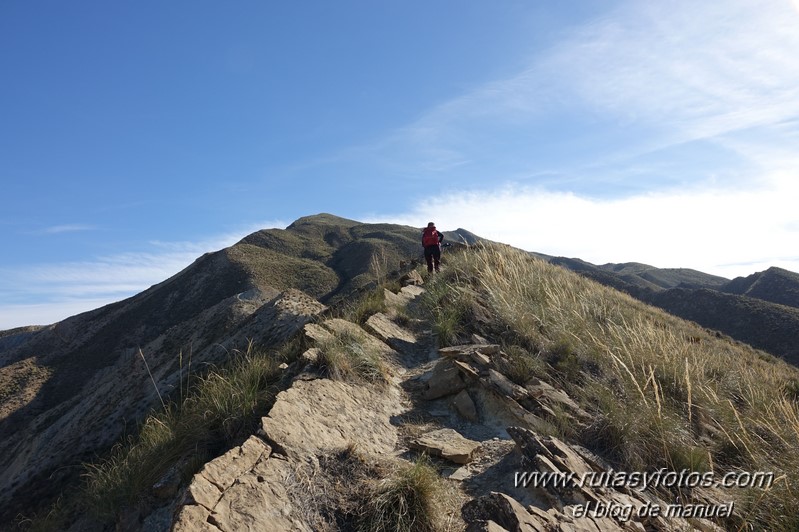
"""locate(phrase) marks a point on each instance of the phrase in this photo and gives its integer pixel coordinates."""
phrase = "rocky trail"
(324, 437)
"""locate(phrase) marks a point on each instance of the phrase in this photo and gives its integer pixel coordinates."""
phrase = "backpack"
(430, 237)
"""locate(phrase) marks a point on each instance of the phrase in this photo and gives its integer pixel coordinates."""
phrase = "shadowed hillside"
(761, 324)
(645, 276)
(753, 309)
(775, 285)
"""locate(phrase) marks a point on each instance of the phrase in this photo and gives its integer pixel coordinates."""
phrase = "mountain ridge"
(85, 379)
(774, 284)
(761, 309)
(324, 256)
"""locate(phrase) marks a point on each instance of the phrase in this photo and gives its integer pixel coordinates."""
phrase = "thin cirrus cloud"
(66, 228)
(698, 70)
(653, 76)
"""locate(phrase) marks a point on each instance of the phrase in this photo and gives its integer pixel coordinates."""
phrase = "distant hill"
(646, 276)
(761, 324)
(775, 285)
(13, 337)
(753, 309)
(664, 278)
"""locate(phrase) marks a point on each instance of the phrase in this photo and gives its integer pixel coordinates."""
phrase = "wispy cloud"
(661, 132)
(728, 233)
(44, 293)
(696, 70)
(66, 228)
(646, 77)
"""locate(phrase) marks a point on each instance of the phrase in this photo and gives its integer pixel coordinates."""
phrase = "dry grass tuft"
(408, 500)
(348, 357)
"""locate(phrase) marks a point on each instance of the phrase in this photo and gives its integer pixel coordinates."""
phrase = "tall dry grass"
(220, 408)
(664, 392)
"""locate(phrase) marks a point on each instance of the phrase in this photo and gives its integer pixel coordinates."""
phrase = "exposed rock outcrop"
(319, 416)
(446, 379)
(447, 444)
(597, 506)
(249, 488)
(244, 489)
(463, 365)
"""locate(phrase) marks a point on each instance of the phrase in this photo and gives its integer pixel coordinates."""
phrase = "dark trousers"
(432, 254)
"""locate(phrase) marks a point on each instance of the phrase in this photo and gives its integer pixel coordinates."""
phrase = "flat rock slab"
(381, 326)
(224, 470)
(505, 386)
(412, 291)
(259, 500)
(460, 474)
(244, 489)
(457, 351)
(447, 444)
(403, 297)
(318, 333)
(322, 415)
(394, 300)
(193, 518)
(466, 369)
(219, 474)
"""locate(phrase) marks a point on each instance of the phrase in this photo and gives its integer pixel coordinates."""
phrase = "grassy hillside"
(326, 256)
(760, 310)
(768, 326)
(662, 391)
(663, 278)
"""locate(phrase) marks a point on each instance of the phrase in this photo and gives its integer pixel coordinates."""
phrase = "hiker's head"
(431, 224)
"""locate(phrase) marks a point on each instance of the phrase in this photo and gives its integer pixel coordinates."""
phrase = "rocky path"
(452, 404)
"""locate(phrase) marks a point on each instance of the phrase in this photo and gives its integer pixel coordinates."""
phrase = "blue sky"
(135, 136)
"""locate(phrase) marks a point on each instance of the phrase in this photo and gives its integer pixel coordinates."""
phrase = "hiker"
(431, 240)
